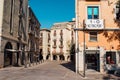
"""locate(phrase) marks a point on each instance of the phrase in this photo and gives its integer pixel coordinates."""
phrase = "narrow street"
(47, 71)
(44, 71)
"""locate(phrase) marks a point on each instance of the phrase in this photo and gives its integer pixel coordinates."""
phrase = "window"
(110, 57)
(41, 34)
(93, 12)
(117, 12)
(61, 32)
(93, 36)
(48, 37)
(54, 33)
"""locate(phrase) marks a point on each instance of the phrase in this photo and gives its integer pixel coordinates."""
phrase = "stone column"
(58, 58)
(1, 59)
(19, 58)
(65, 57)
(51, 57)
(13, 58)
(25, 59)
(102, 60)
(29, 59)
(68, 58)
(44, 57)
(14, 54)
(80, 62)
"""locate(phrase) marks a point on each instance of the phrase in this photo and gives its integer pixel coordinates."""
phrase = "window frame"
(96, 37)
(117, 12)
(93, 6)
(115, 56)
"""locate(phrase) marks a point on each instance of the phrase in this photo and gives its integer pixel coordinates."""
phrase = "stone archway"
(62, 57)
(54, 57)
(7, 55)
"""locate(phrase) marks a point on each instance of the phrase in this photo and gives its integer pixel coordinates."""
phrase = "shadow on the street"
(107, 77)
(111, 75)
(69, 65)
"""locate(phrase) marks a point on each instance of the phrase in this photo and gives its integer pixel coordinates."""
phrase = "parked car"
(117, 72)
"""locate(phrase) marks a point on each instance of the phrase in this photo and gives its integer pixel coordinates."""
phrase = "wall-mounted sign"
(94, 24)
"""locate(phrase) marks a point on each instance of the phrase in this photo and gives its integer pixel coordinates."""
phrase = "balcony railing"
(94, 24)
(61, 39)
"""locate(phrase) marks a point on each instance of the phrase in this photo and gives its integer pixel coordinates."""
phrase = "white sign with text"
(94, 24)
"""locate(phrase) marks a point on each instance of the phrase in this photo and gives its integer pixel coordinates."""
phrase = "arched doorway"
(40, 55)
(7, 55)
(54, 57)
(62, 57)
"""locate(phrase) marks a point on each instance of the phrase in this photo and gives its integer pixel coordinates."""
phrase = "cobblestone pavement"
(50, 71)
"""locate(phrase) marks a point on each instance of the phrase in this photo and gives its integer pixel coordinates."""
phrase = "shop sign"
(94, 24)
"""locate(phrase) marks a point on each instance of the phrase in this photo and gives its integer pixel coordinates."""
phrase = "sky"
(49, 12)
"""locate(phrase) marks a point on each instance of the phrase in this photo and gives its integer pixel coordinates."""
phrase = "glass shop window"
(110, 57)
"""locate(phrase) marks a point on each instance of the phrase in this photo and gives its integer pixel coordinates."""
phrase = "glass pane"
(96, 11)
(89, 12)
(89, 16)
(96, 16)
(93, 38)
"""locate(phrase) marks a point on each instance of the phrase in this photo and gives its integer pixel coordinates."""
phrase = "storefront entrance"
(92, 60)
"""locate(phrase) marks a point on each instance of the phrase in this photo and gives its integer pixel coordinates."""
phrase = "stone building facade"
(97, 33)
(62, 36)
(45, 43)
(33, 37)
(13, 31)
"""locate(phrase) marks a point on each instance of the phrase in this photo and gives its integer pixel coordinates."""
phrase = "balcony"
(54, 39)
(61, 51)
(61, 46)
(37, 36)
(54, 34)
(49, 44)
(61, 39)
(61, 33)
(94, 24)
(30, 32)
(54, 46)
